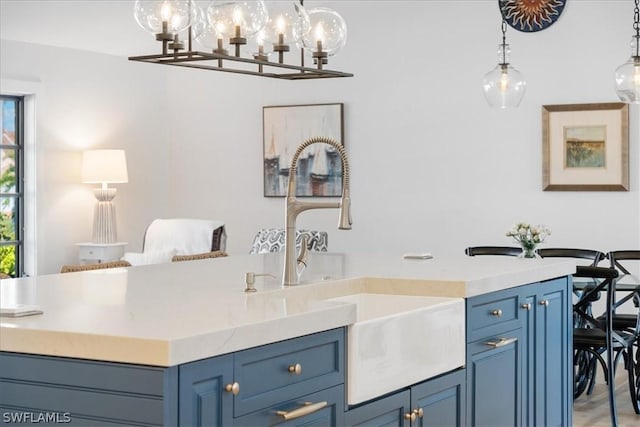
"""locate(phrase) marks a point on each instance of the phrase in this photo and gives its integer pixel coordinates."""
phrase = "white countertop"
(173, 313)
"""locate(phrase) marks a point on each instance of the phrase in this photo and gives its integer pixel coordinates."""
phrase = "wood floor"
(593, 410)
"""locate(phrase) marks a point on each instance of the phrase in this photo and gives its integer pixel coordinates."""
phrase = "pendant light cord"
(504, 41)
(636, 18)
(636, 26)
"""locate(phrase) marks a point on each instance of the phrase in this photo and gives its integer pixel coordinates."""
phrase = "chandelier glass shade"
(327, 31)
(243, 36)
(627, 75)
(504, 86)
(163, 16)
(237, 18)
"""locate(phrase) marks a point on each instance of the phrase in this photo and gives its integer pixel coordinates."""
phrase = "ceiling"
(105, 26)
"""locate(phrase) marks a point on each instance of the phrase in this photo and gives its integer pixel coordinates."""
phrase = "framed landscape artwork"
(585, 147)
(319, 169)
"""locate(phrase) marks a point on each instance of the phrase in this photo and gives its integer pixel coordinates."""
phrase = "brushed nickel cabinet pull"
(295, 369)
(544, 302)
(306, 409)
(497, 312)
(501, 342)
(411, 416)
(232, 388)
(526, 306)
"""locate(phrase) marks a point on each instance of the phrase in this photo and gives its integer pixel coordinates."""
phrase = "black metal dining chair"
(598, 337)
(589, 254)
(630, 284)
(493, 250)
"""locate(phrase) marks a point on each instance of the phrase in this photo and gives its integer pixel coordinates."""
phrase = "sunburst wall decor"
(531, 15)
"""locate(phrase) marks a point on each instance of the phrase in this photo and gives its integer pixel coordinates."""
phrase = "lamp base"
(104, 217)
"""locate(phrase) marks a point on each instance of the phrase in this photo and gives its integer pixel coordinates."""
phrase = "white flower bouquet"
(529, 237)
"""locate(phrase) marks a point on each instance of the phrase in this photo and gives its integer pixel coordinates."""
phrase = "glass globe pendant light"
(504, 86)
(627, 76)
(165, 19)
(237, 20)
(326, 34)
(285, 26)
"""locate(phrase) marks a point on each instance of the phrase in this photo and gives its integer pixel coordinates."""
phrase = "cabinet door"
(546, 348)
(385, 412)
(494, 380)
(203, 400)
(553, 370)
(441, 401)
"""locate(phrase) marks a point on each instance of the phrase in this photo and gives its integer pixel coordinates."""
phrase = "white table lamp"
(104, 167)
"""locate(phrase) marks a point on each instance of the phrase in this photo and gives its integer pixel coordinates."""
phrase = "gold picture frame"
(585, 147)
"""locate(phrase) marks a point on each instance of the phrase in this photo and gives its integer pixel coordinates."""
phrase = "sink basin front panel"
(400, 340)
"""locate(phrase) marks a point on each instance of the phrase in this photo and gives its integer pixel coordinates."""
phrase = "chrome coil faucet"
(294, 207)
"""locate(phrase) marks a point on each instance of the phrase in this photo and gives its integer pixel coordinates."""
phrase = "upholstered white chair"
(165, 239)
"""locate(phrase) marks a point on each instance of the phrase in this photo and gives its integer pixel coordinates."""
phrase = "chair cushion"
(585, 337)
(185, 236)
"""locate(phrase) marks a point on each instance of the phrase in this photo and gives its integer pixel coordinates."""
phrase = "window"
(11, 185)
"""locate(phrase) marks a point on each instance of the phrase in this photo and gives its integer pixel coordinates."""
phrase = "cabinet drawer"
(268, 375)
(492, 313)
(326, 408)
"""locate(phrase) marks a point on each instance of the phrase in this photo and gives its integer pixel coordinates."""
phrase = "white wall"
(433, 168)
(87, 100)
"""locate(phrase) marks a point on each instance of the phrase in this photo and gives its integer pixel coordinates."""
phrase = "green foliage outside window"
(7, 230)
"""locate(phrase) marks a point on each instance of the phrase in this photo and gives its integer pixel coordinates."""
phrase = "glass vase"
(529, 251)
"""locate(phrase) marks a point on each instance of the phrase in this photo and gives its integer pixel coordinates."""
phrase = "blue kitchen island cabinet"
(437, 402)
(279, 357)
(297, 382)
(519, 369)
(294, 382)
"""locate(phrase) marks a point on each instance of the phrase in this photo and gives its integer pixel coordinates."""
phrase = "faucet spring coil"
(330, 141)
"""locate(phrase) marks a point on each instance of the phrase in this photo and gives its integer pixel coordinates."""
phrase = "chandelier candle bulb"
(319, 56)
(165, 12)
(281, 48)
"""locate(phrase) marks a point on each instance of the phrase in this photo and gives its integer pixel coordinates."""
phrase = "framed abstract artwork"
(319, 169)
(585, 147)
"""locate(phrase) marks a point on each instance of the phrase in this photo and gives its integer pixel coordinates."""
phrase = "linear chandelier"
(248, 26)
